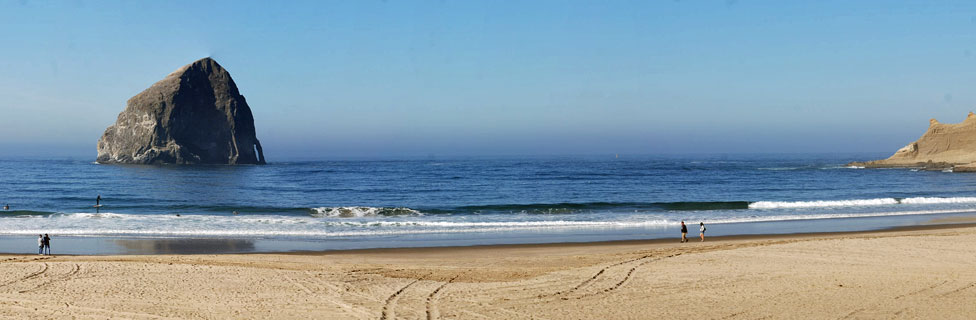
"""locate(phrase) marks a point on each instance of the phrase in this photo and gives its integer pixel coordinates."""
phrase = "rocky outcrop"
(943, 146)
(195, 115)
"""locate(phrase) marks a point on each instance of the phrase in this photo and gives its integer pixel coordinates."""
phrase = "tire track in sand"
(321, 289)
(923, 290)
(44, 268)
(293, 281)
(630, 275)
(591, 279)
(432, 311)
(603, 272)
(960, 289)
(391, 302)
(67, 276)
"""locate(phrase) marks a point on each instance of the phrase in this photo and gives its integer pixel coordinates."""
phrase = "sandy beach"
(920, 273)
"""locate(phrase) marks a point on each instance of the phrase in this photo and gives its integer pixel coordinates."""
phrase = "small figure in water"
(684, 232)
(6, 207)
(98, 200)
(235, 212)
(177, 214)
(47, 244)
(702, 230)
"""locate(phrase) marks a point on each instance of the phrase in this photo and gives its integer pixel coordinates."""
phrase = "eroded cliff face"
(195, 115)
(943, 146)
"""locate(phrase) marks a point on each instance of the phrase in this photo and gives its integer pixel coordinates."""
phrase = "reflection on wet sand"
(184, 246)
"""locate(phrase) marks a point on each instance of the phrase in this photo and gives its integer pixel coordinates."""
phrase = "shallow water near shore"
(350, 204)
(113, 245)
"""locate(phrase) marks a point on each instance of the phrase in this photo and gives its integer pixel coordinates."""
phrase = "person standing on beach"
(684, 232)
(701, 229)
(47, 244)
(40, 244)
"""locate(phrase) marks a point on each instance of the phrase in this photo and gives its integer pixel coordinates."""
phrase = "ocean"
(375, 203)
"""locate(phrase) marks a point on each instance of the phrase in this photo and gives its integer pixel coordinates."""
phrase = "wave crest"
(858, 202)
(821, 203)
(358, 212)
(934, 200)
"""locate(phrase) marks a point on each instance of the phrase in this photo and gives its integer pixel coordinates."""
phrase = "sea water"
(433, 201)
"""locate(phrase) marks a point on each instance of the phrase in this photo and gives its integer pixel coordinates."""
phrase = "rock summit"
(195, 115)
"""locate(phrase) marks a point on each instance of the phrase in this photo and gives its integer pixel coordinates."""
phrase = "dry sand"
(903, 274)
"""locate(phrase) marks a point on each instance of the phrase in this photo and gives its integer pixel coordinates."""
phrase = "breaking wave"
(616, 207)
(821, 203)
(859, 202)
(358, 212)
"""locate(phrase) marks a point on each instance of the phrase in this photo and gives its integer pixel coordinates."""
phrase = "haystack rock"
(193, 116)
(943, 146)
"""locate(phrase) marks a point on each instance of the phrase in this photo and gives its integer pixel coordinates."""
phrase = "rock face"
(943, 146)
(193, 116)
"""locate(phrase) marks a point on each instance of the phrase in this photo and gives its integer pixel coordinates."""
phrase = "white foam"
(838, 216)
(859, 202)
(86, 215)
(822, 203)
(358, 212)
(935, 200)
(522, 224)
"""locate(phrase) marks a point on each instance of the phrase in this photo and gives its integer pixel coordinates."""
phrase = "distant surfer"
(684, 232)
(98, 201)
(235, 212)
(6, 207)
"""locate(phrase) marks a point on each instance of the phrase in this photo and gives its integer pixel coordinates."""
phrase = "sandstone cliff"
(943, 146)
(193, 116)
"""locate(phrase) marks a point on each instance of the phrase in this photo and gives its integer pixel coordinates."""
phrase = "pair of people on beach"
(684, 231)
(43, 244)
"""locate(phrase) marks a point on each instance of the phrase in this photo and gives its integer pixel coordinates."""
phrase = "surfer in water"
(6, 207)
(98, 200)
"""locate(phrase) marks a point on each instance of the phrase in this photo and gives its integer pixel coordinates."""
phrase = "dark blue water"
(469, 200)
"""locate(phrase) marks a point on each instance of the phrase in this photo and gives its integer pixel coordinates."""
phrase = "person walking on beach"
(40, 244)
(47, 244)
(701, 229)
(684, 232)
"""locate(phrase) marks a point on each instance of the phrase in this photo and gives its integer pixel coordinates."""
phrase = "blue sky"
(406, 78)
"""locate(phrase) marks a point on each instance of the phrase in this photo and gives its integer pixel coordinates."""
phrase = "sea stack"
(195, 115)
(943, 146)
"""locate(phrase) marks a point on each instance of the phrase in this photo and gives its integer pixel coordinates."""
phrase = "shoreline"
(933, 224)
(655, 241)
(897, 272)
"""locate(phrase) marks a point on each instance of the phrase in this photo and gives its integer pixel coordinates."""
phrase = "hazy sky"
(392, 78)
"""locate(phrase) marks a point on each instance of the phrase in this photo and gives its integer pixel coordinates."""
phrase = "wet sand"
(918, 272)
